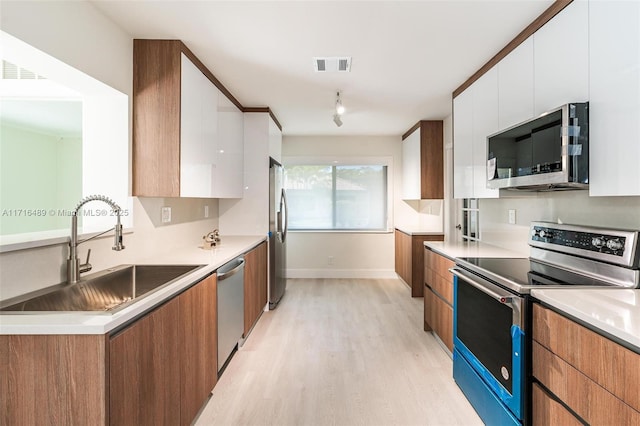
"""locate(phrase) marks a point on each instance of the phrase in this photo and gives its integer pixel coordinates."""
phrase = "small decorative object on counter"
(210, 240)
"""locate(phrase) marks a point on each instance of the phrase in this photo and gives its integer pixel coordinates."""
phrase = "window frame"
(330, 161)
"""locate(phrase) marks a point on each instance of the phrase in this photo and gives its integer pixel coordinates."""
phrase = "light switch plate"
(512, 216)
(206, 211)
(166, 214)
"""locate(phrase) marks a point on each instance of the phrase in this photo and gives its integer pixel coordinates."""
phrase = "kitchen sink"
(106, 291)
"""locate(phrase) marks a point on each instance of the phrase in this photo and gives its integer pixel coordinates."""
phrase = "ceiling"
(407, 56)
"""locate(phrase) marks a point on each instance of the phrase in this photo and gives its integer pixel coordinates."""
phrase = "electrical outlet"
(512, 216)
(166, 214)
(206, 211)
(330, 260)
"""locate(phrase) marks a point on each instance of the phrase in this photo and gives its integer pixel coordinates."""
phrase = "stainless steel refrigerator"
(277, 233)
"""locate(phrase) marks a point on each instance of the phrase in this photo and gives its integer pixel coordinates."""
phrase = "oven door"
(488, 331)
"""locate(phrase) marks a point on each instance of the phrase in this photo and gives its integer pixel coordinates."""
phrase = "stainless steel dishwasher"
(230, 308)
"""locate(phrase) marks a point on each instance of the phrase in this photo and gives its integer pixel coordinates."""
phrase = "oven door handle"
(506, 298)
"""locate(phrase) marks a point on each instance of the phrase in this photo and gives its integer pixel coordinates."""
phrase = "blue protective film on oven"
(513, 401)
(489, 407)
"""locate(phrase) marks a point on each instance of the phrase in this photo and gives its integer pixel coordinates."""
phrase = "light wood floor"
(340, 352)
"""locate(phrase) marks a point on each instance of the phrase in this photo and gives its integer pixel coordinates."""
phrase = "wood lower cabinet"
(409, 259)
(158, 370)
(548, 411)
(438, 317)
(144, 370)
(163, 366)
(591, 376)
(438, 296)
(53, 380)
(255, 285)
(199, 346)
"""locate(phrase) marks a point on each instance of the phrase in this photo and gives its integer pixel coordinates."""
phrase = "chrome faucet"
(74, 268)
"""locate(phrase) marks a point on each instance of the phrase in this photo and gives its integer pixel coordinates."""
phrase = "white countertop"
(418, 231)
(101, 323)
(453, 249)
(614, 311)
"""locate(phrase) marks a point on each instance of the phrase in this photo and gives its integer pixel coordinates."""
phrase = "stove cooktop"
(522, 275)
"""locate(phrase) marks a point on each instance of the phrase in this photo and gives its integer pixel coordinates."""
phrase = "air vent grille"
(332, 64)
(13, 72)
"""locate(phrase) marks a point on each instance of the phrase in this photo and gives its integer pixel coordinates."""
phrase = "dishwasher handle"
(223, 274)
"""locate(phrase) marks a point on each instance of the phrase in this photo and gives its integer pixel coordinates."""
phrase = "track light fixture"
(339, 106)
(339, 110)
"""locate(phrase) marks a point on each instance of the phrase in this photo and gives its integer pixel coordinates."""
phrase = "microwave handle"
(506, 298)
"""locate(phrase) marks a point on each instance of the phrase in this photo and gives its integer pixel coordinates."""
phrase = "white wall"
(76, 33)
(574, 207)
(354, 254)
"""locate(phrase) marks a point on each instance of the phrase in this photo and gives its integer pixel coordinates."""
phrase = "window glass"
(332, 197)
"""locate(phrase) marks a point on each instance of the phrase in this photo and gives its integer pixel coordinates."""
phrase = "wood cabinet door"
(255, 285)
(156, 118)
(198, 346)
(144, 370)
(403, 256)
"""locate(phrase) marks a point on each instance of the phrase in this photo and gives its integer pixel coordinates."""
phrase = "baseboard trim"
(342, 273)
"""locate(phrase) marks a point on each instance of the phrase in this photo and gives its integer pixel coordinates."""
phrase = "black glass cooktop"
(522, 275)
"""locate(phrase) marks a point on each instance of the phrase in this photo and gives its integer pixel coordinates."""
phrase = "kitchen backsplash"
(24, 271)
(574, 207)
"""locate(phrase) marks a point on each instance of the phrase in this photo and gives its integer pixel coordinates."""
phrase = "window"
(470, 222)
(337, 197)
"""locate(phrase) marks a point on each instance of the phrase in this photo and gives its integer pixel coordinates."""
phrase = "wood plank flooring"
(340, 352)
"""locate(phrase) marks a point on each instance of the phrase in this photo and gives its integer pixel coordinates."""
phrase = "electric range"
(492, 308)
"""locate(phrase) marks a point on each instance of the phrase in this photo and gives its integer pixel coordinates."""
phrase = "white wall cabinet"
(462, 145)
(475, 117)
(561, 58)
(187, 135)
(614, 103)
(250, 215)
(229, 170)
(423, 162)
(198, 132)
(515, 86)
(411, 167)
(485, 123)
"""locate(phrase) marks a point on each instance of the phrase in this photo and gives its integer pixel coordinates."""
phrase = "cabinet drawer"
(439, 264)
(547, 411)
(441, 286)
(586, 398)
(438, 317)
(612, 366)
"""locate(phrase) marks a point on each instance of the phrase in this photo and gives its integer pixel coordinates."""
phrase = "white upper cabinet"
(198, 132)
(475, 116)
(561, 58)
(485, 123)
(411, 167)
(515, 86)
(229, 170)
(614, 108)
(462, 145)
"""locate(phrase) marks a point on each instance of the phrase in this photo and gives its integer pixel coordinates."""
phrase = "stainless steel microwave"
(546, 153)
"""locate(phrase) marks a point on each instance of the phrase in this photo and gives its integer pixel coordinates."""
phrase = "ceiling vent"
(332, 64)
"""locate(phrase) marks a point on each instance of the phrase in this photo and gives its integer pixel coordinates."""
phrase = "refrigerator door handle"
(285, 226)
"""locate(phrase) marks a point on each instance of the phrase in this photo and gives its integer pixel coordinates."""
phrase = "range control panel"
(617, 246)
(597, 242)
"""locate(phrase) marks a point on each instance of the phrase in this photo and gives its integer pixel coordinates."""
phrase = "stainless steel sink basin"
(107, 291)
